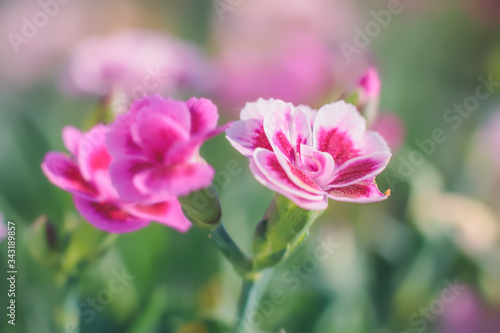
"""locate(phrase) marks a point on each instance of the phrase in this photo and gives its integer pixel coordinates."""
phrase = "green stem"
(66, 314)
(251, 293)
(221, 238)
(246, 302)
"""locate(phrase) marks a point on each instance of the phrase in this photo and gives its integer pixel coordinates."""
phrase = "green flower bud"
(202, 208)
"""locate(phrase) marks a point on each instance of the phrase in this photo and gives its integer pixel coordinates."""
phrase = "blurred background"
(425, 260)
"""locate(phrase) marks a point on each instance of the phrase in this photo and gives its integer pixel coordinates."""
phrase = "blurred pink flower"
(310, 156)
(39, 35)
(468, 314)
(133, 63)
(85, 174)
(392, 128)
(367, 91)
(370, 84)
(155, 147)
(284, 49)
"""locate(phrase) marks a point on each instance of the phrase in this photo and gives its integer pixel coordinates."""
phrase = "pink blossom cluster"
(129, 173)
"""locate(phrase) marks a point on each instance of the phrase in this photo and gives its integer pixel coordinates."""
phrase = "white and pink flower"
(309, 156)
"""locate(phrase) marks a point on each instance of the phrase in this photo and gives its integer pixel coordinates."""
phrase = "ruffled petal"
(119, 138)
(268, 164)
(360, 168)
(156, 134)
(287, 189)
(187, 151)
(93, 154)
(166, 212)
(161, 182)
(204, 115)
(286, 129)
(109, 217)
(122, 172)
(365, 191)
(175, 110)
(339, 130)
(71, 137)
(64, 173)
(247, 135)
(258, 109)
(318, 165)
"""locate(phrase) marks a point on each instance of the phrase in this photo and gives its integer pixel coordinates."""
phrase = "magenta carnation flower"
(155, 147)
(84, 173)
(309, 156)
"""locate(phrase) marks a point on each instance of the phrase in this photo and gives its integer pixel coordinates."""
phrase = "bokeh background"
(425, 260)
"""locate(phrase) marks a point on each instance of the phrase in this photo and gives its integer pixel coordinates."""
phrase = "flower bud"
(202, 208)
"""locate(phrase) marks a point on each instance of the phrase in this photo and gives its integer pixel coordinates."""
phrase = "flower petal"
(64, 173)
(109, 217)
(318, 165)
(258, 109)
(186, 151)
(338, 129)
(93, 154)
(247, 135)
(360, 168)
(122, 172)
(166, 212)
(268, 164)
(161, 182)
(119, 138)
(175, 110)
(365, 191)
(71, 137)
(286, 129)
(156, 134)
(373, 142)
(204, 115)
(319, 202)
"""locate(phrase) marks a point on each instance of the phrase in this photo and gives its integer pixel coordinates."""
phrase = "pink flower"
(284, 49)
(85, 174)
(469, 313)
(134, 63)
(309, 156)
(155, 147)
(392, 128)
(370, 84)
